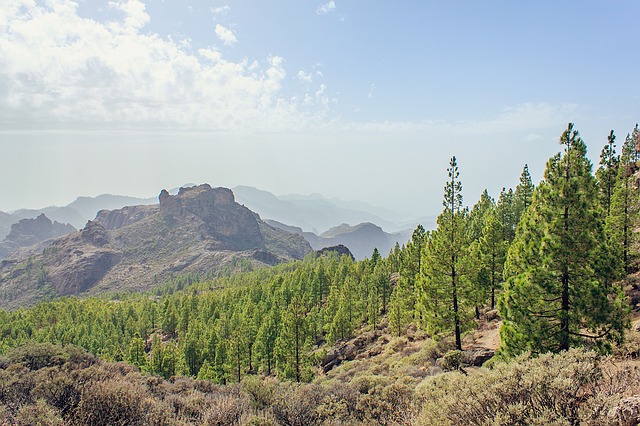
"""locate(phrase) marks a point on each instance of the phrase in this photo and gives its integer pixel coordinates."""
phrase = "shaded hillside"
(200, 230)
(361, 239)
(28, 232)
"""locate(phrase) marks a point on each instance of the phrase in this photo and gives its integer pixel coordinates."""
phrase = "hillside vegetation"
(373, 338)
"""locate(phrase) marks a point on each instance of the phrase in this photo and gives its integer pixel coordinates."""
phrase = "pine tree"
(623, 218)
(445, 264)
(607, 172)
(490, 252)
(478, 214)
(523, 193)
(266, 339)
(557, 292)
(292, 342)
(506, 211)
(136, 355)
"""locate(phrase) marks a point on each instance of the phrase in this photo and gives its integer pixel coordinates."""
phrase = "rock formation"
(199, 230)
(28, 232)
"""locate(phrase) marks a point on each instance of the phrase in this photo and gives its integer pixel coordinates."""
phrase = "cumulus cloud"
(134, 10)
(60, 70)
(325, 8)
(225, 35)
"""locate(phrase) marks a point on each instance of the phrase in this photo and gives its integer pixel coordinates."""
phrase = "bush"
(550, 387)
(116, 401)
(38, 414)
(453, 360)
(35, 356)
(296, 405)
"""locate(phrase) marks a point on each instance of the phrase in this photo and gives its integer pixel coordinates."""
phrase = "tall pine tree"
(623, 218)
(607, 172)
(447, 291)
(558, 293)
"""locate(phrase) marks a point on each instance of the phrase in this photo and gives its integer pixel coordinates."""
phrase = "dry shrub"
(38, 414)
(260, 389)
(58, 389)
(262, 419)
(115, 401)
(391, 404)
(338, 404)
(186, 406)
(37, 355)
(296, 405)
(549, 387)
(15, 387)
(453, 360)
(226, 408)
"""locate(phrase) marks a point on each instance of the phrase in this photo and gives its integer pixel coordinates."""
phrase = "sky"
(347, 98)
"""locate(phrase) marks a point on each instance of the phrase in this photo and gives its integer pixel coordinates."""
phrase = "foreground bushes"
(42, 384)
(49, 385)
(570, 388)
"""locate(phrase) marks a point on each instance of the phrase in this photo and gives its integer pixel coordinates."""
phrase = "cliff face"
(199, 230)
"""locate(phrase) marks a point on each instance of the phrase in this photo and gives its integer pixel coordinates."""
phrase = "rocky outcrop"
(31, 231)
(28, 232)
(197, 231)
(114, 219)
(235, 226)
(340, 249)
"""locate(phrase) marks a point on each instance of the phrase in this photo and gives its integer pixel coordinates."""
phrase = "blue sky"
(355, 99)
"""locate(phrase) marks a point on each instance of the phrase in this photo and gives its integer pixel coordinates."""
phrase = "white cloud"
(222, 10)
(225, 35)
(305, 77)
(134, 10)
(62, 71)
(326, 8)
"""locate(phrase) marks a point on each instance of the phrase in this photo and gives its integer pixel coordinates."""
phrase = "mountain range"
(200, 230)
(322, 221)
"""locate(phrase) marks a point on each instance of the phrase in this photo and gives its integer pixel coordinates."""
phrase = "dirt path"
(487, 337)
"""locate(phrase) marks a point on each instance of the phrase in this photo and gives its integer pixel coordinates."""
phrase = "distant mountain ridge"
(313, 216)
(317, 214)
(360, 239)
(199, 230)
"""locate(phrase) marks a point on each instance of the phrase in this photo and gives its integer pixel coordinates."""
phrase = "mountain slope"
(199, 230)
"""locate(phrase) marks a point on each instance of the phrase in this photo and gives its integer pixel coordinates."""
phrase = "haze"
(350, 99)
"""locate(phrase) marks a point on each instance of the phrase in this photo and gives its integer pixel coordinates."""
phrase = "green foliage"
(624, 214)
(607, 173)
(559, 269)
(447, 292)
(523, 193)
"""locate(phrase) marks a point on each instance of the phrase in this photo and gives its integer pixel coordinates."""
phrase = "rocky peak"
(32, 231)
(222, 218)
(94, 233)
(196, 199)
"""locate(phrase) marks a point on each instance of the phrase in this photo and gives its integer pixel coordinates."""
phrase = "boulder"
(477, 357)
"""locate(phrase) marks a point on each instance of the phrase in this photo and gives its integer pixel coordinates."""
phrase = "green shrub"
(453, 360)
